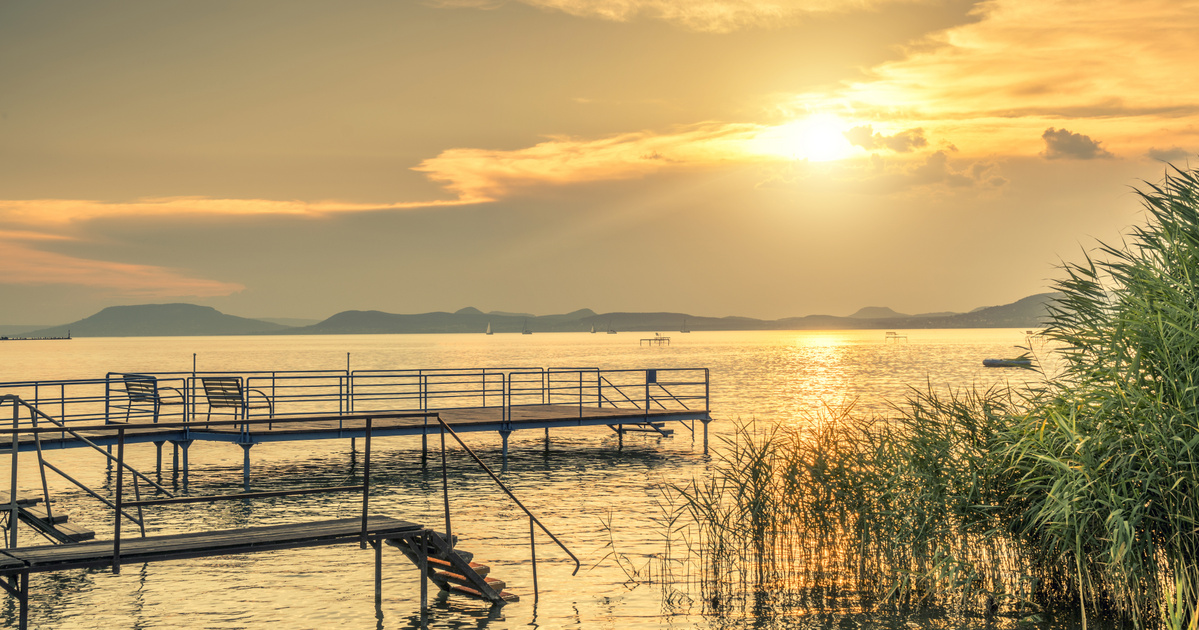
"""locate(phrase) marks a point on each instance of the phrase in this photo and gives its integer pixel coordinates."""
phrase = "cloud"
(1063, 144)
(877, 175)
(1173, 154)
(44, 212)
(483, 174)
(717, 16)
(24, 265)
(902, 142)
(1025, 65)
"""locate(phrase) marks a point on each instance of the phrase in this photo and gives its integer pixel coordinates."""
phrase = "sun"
(818, 138)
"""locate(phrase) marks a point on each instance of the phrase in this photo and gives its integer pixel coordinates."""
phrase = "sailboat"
(685, 329)
(593, 329)
(526, 331)
(488, 328)
(610, 331)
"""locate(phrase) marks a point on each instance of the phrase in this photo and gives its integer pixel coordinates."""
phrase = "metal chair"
(226, 392)
(145, 390)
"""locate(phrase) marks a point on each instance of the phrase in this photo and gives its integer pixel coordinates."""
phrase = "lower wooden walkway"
(19, 562)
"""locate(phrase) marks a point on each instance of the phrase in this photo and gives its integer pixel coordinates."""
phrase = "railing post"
(116, 527)
(366, 479)
(533, 552)
(445, 486)
(12, 497)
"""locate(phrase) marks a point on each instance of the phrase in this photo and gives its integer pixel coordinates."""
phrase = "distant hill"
(288, 321)
(875, 312)
(188, 319)
(153, 320)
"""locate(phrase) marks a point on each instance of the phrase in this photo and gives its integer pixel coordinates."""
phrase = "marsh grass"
(1080, 493)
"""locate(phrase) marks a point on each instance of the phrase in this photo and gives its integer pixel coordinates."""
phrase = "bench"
(145, 390)
(226, 392)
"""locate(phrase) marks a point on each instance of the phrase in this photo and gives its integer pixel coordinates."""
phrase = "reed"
(1079, 493)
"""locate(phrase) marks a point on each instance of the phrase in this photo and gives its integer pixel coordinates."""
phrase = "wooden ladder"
(454, 571)
(31, 512)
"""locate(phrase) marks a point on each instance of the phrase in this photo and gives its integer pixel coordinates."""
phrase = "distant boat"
(610, 331)
(1020, 362)
(526, 331)
(685, 329)
(488, 328)
(593, 329)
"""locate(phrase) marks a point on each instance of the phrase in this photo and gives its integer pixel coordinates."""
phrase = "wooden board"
(199, 544)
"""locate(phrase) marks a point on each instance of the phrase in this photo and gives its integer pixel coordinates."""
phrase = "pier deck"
(99, 554)
(337, 427)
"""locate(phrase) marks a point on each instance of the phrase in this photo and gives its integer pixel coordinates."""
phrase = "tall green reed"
(1081, 492)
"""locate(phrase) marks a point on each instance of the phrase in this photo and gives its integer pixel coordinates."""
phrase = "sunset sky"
(771, 158)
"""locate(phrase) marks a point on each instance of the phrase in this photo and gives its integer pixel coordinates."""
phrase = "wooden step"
(455, 578)
(638, 429)
(74, 534)
(21, 499)
(481, 569)
(39, 512)
(470, 592)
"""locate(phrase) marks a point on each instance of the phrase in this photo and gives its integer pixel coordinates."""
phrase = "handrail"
(532, 519)
(604, 379)
(672, 396)
(62, 427)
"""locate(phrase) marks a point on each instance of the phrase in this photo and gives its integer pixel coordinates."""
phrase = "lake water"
(584, 489)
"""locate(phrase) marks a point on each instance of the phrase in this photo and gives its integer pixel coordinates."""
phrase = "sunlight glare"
(819, 138)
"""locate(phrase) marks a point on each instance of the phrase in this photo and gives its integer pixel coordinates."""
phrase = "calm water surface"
(583, 488)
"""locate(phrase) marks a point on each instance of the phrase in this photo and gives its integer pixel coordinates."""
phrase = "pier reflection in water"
(582, 482)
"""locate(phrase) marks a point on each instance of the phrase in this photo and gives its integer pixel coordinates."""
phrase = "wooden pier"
(251, 408)
(433, 553)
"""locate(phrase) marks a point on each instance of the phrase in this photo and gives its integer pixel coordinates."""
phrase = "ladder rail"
(445, 428)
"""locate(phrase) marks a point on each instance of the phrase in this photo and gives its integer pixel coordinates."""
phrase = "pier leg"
(175, 461)
(245, 465)
(353, 445)
(504, 436)
(186, 444)
(706, 435)
(547, 439)
(23, 620)
(620, 437)
(158, 460)
(424, 446)
(378, 545)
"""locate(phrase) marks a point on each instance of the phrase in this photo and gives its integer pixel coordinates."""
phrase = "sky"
(772, 158)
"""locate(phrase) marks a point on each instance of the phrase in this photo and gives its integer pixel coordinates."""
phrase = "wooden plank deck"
(333, 426)
(200, 544)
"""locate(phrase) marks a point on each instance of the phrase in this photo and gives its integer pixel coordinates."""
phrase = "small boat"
(1018, 362)
(610, 331)
(526, 331)
(685, 329)
(593, 329)
(488, 328)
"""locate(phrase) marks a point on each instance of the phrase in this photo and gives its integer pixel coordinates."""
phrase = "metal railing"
(119, 504)
(533, 520)
(299, 393)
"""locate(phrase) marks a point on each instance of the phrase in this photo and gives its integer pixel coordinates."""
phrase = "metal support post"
(378, 545)
(504, 436)
(706, 421)
(245, 465)
(158, 460)
(186, 444)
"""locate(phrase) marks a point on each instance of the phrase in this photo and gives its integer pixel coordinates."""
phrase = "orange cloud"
(24, 265)
(483, 174)
(1125, 66)
(42, 212)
